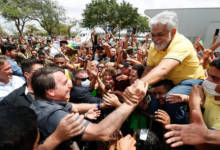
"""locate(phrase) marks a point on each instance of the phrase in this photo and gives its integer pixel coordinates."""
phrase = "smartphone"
(216, 32)
(134, 30)
(128, 33)
(109, 29)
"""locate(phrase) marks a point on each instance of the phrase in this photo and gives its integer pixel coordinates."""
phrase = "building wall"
(195, 21)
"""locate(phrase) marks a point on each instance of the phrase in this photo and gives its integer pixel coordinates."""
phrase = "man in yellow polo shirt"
(171, 56)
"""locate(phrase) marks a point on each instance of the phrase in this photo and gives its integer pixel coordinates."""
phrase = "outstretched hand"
(192, 134)
(126, 143)
(92, 114)
(111, 100)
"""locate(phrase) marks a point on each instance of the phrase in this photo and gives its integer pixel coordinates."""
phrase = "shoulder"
(77, 88)
(17, 79)
(181, 40)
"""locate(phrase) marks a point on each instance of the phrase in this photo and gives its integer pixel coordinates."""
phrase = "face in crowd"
(100, 67)
(60, 62)
(108, 77)
(161, 37)
(6, 70)
(62, 90)
(133, 76)
(34, 54)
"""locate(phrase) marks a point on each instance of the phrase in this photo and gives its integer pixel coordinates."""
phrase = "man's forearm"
(82, 108)
(213, 137)
(107, 126)
(153, 76)
(194, 105)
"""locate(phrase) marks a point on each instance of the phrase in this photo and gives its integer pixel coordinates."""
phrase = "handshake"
(135, 93)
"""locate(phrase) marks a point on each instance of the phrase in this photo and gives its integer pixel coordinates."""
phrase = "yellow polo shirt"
(212, 112)
(180, 49)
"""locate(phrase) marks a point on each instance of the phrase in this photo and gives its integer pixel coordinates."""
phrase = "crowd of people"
(111, 94)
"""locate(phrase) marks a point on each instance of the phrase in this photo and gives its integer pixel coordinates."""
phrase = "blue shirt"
(16, 69)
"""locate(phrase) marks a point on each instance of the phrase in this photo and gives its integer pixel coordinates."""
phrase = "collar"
(26, 91)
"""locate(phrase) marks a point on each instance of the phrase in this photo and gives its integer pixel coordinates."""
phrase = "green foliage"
(48, 13)
(108, 13)
(30, 28)
(142, 25)
(16, 11)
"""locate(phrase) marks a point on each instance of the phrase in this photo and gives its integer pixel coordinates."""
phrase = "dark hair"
(215, 63)
(111, 71)
(33, 50)
(7, 46)
(168, 84)
(59, 56)
(140, 69)
(18, 128)
(151, 143)
(26, 65)
(34, 42)
(43, 80)
(41, 53)
(113, 48)
(77, 72)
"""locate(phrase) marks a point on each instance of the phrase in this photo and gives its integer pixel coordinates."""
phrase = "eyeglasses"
(160, 35)
(82, 79)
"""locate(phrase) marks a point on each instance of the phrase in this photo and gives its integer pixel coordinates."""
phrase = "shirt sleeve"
(55, 118)
(69, 106)
(149, 59)
(179, 51)
(216, 124)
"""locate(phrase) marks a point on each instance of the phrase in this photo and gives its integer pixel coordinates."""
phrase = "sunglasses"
(83, 79)
(100, 67)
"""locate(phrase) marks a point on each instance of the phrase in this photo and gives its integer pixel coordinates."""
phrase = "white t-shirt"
(13, 84)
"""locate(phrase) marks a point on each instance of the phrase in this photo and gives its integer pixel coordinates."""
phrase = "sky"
(74, 8)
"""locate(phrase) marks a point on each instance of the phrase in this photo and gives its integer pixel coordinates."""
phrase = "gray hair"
(3, 59)
(95, 61)
(168, 18)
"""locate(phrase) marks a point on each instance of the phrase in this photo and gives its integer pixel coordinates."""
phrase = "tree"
(30, 28)
(16, 11)
(2, 30)
(142, 25)
(48, 13)
(70, 23)
(108, 13)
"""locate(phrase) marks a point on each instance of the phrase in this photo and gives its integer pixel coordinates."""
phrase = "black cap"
(100, 47)
(35, 42)
(126, 64)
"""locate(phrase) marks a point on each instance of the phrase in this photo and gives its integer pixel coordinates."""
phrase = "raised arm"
(159, 71)
(107, 126)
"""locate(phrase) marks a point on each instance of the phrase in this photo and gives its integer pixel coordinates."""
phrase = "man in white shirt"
(13, 82)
